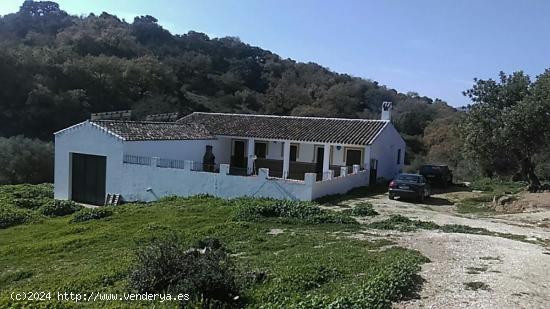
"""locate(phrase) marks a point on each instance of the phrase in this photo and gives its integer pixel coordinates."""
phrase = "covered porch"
(289, 159)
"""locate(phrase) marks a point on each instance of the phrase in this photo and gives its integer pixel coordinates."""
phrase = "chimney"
(386, 111)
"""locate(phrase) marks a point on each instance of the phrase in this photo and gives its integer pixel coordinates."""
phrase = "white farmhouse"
(225, 155)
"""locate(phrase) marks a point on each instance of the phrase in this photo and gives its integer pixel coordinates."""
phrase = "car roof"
(408, 174)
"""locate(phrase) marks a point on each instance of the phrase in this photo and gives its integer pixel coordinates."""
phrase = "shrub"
(26, 196)
(249, 209)
(362, 209)
(204, 271)
(12, 216)
(58, 208)
(88, 214)
(28, 203)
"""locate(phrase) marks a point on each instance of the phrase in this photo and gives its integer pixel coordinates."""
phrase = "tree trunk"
(528, 173)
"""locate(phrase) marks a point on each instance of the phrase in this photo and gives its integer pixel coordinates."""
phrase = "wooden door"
(88, 178)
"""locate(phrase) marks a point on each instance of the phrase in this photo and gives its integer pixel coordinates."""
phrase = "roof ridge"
(138, 121)
(283, 116)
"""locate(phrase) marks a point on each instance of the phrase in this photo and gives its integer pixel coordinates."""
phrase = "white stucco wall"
(384, 149)
(149, 183)
(181, 150)
(340, 185)
(90, 139)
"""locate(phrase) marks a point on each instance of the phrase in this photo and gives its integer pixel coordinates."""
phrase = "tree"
(507, 126)
(24, 160)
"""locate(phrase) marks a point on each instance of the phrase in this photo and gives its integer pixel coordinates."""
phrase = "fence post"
(263, 173)
(155, 161)
(310, 178)
(343, 171)
(224, 169)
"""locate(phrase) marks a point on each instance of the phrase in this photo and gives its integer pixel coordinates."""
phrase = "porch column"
(366, 164)
(286, 159)
(326, 161)
(250, 156)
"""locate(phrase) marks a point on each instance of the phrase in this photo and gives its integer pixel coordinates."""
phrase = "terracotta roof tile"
(310, 129)
(150, 130)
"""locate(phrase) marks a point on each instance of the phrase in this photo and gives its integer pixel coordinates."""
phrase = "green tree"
(507, 126)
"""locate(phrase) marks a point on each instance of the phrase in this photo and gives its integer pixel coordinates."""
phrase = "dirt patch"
(468, 270)
(532, 201)
(514, 268)
(275, 232)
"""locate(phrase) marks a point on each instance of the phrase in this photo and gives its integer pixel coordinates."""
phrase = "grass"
(475, 205)
(476, 270)
(312, 264)
(363, 209)
(491, 189)
(498, 187)
(404, 224)
(490, 258)
(477, 285)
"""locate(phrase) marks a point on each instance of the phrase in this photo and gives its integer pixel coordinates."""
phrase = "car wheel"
(421, 198)
(391, 196)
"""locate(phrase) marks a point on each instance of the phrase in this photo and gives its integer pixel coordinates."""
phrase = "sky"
(432, 47)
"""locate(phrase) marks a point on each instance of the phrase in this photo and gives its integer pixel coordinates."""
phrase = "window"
(398, 156)
(293, 152)
(260, 150)
(354, 156)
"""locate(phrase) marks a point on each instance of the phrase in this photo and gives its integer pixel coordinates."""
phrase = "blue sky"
(433, 47)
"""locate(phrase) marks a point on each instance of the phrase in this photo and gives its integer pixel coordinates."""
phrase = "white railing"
(171, 163)
(215, 168)
(131, 159)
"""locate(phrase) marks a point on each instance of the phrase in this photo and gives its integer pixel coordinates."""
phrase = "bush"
(57, 208)
(204, 271)
(362, 209)
(26, 196)
(25, 160)
(28, 203)
(249, 209)
(12, 216)
(88, 214)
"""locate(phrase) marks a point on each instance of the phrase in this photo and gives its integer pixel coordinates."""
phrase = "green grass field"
(310, 263)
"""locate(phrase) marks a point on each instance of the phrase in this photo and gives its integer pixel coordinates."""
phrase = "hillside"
(56, 68)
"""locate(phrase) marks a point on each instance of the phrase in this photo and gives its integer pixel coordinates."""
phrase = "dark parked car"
(439, 175)
(409, 186)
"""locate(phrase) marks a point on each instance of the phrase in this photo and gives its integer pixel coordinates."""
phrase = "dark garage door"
(88, 178)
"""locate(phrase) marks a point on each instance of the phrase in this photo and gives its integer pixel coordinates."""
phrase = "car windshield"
(430, 169)
(409, 178)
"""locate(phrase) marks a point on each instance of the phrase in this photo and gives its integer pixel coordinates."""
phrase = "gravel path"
(516, 274)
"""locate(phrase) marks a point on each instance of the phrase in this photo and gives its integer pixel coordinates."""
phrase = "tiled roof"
(310, 129)
(149, 130)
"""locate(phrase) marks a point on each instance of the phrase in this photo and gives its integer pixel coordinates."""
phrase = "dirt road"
(473, 271)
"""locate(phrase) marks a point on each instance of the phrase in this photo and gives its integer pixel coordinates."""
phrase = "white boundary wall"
(150, 183)
(340, 185)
